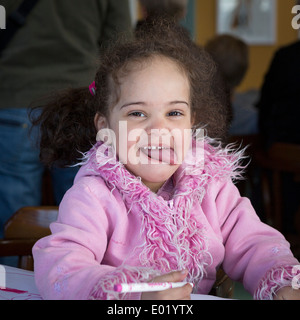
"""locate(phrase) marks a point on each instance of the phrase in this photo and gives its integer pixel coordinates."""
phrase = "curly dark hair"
(67, 120)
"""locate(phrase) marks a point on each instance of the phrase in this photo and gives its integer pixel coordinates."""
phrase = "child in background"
(154, 199)
(232, 56)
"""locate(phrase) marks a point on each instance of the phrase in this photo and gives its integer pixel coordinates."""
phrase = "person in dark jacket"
(58, 47)
(279, 104)
(279, 113)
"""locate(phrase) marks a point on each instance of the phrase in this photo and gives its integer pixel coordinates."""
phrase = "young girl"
(154, 199)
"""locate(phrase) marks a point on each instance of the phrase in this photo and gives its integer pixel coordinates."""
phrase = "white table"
(18, 284)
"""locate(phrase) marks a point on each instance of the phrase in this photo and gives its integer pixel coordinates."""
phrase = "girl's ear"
(100, 122)
(193, 118)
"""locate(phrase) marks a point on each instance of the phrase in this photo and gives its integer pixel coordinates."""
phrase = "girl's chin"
(154, 186)
(155, 174)
(159, 173)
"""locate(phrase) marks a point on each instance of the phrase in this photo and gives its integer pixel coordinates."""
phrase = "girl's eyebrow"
(132, 104)
(179, 102)
(143, 103)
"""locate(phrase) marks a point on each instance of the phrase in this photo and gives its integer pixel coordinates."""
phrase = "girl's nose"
(157, 123)
(159, 131)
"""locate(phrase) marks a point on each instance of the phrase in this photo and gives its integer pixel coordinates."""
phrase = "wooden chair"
(279, 159)
(23, 229)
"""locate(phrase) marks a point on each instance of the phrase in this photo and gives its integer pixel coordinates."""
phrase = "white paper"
(17, 284)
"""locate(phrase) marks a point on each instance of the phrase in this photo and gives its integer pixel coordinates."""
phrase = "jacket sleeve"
(69, 263)
(255, 254)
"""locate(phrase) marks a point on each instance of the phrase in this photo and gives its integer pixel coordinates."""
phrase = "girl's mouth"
(159, 154)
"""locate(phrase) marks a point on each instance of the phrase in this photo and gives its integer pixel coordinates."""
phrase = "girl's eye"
(175, 113)
(136, 114)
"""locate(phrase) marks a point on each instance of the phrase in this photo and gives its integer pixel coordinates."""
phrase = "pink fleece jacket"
(111, 228)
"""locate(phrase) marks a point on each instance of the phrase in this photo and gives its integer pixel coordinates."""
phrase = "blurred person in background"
(58, 46)
(232, 57)
(279, 113)
(175, 10)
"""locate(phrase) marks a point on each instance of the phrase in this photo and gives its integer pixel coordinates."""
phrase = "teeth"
(154, 148)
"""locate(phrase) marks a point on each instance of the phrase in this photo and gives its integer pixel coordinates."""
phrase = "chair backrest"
(284, 157)
(279, 159)
(23, 229)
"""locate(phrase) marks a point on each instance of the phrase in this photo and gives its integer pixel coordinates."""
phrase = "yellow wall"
(260, 56)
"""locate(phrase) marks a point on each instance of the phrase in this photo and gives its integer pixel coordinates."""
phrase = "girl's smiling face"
(154, 110)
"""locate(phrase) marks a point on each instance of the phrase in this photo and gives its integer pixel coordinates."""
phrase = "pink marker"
(148, 286)
(13, 290)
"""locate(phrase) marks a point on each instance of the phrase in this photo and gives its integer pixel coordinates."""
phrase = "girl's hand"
(287, 293)
(182, 293)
